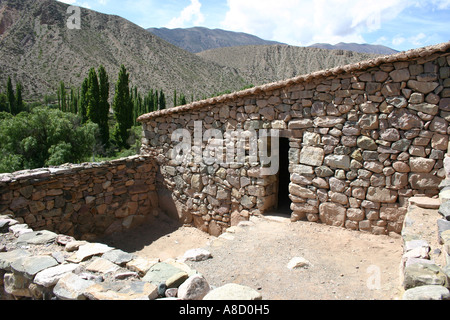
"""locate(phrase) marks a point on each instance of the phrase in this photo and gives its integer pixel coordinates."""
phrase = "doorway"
(284, 178)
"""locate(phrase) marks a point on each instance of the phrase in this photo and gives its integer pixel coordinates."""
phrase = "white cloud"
(190, 15)
(303, 22)
(416, 40)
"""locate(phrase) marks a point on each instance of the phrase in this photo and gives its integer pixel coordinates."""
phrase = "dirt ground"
(345, 265)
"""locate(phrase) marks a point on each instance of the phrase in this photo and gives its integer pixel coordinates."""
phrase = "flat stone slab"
(427, 293)
(135, 290)
(87, 251)
(118, 257)
(49, 277)
(425, 202)
(160, 273)
(233, 291)
(37, 237)
(7, 258)
(102, 265)
(5, 223)
(141, 265)
(30, 266)
(197, 255)
(72, 287)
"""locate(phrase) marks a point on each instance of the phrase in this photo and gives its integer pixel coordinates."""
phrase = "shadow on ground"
(140, 237)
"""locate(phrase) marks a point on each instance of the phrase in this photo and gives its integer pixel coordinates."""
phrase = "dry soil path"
(344, 264)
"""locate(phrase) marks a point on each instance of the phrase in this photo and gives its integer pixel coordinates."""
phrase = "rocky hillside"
(356, 47)
(38, 49)
(200, 39)
(264, 64)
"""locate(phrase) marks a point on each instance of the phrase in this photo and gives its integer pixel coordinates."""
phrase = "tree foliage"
(43, 137)
(123, 108)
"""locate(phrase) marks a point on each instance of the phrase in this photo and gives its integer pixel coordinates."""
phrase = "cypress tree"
(19, 100)
(183, 100)
(93, 96)
(156, 101)
(162, 101)
(103, 105)
(123, 108)
(175, 98)
(83, 102)
(11, 97)
(62, 97)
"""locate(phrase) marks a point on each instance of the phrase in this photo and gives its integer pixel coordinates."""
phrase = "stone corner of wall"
(422, 277)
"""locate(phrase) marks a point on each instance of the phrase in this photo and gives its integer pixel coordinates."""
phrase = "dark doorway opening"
(284, 178)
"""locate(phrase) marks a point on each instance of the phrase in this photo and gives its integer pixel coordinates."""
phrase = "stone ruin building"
(347, 147)
(354, 143)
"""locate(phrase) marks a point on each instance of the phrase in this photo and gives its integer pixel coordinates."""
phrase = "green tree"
(62, 101)
(10, 97)
(103, 111)
(93, 97)
(123, 108)
(183, 100)
(19, 100)
(175, 98)
(4, 107)
(83, 102)
(42, 138)
(162, 100)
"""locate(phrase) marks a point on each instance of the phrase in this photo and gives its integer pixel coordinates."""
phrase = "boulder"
(427, 293)
(194, 288)
(421, 274)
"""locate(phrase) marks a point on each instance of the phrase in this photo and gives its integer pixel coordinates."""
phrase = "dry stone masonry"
(43, 265)
(424, 278)
(85, 201)
(362, 140)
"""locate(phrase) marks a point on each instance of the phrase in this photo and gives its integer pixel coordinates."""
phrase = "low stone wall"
(42, 265)
(363, 139)
(84, 201)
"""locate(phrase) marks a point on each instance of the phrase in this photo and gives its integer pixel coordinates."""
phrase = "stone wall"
(43, 265)
(362, 140)
(85, 201)
(425, 266)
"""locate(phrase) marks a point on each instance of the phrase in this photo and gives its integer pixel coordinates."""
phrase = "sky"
(399, 24)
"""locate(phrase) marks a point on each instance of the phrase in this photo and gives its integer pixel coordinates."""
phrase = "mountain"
(39, 50)
(264, 64)
(356, 47)
(199, 39)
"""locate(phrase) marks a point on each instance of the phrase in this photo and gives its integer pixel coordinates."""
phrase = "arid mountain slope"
(38, 49)
(356, 47)
(199, 39)
(264, 64)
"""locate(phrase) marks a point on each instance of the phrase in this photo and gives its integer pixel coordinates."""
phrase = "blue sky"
(399, 24)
